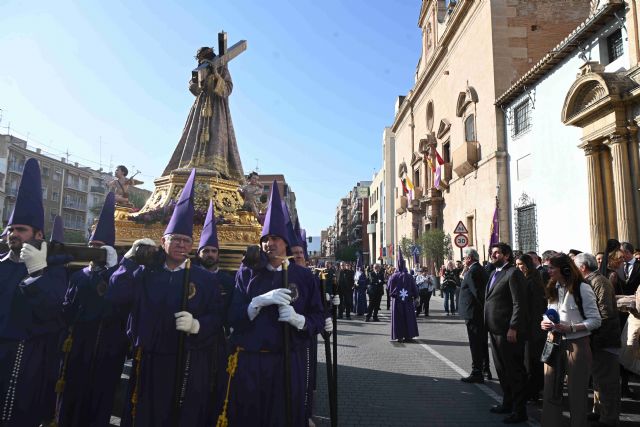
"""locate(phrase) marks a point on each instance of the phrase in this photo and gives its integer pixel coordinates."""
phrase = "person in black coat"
(345, 290)
(537, 305)
(375, 291)
(505, 313)
(471, 309)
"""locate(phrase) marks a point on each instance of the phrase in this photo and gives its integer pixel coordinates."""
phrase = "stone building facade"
(572, 141)
(472, 51)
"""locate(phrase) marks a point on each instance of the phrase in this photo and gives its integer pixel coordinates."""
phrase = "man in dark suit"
(629, 271)
(345, 290)
(505, 313)
(537, 262)
(471, 309)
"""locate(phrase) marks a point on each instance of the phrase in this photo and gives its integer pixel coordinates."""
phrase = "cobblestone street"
(382, 383)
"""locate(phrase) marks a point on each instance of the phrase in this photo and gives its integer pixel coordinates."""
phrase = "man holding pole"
(257, 393)
(175, 316)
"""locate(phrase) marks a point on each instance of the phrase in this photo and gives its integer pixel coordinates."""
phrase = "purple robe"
(30, 316)
(257, 390)
(154, 296)
(98, 350)
(360, 294)
(402, 288)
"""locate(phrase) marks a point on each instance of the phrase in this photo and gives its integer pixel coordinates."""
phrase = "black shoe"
(488, 375)
(447, 314)
(500, 409)
(340, 317)
(368, 319)
(515, 419)
(426, 315)
(410, 340)
(473, 379)
(375, 319)
(593, 416)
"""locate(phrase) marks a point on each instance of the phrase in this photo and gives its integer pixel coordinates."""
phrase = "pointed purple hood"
(274, 221)
(209, 236)
(29, 209)
(105, 230)
(181, 221)
(57, 233)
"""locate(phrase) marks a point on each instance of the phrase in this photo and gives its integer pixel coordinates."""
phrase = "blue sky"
(312, 93)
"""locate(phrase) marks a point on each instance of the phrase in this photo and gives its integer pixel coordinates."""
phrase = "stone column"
(622, 186)
(634, 165)
(597, 215)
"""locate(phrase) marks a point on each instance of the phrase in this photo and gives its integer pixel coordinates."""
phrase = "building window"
(526, 225)
(521, 118)
(57, 175)
(614, 45)
(55, 196)
(469, 128)
(45, 171)
(44, 193)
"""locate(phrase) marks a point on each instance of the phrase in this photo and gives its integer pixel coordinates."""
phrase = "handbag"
(550, 351)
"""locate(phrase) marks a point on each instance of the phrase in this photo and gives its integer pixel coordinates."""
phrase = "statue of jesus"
(208, 140)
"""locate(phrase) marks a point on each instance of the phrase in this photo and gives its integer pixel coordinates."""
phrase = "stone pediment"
(443, 128)
(464, 99)
(593, 93)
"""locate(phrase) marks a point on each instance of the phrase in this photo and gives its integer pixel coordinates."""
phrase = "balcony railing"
(76, 186)
(16, 167)
(97, 189)
(75, 205)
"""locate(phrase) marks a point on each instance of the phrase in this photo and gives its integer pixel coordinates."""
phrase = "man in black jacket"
(345, 289)
(375, 291)
(471, 309)
(505, 313)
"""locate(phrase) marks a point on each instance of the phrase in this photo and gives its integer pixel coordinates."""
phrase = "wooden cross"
(224, 55)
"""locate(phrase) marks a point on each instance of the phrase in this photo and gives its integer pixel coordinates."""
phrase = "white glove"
(112, 256)
(289, 315)
(280, 296)
(132, 252)
(328, 325)
(335, 300)
(186, 323)
(34, 259)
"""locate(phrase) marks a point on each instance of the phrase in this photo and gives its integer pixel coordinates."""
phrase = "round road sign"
(461, 240)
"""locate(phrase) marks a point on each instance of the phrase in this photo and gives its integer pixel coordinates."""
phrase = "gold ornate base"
(241, 228)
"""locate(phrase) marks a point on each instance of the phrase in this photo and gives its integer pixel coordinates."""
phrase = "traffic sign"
(461, 240)
(460, 229)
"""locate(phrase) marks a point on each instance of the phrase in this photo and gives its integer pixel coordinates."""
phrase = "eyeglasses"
(176, 240)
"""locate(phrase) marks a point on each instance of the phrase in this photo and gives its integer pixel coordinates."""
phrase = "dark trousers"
(535, 369)
(477, 344)
(388, 301)
(346, 302)
(374, 305)
(508, 359)
(425, 297)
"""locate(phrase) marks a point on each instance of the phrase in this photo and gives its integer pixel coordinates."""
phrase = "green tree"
(436, 247)
(347, 254)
